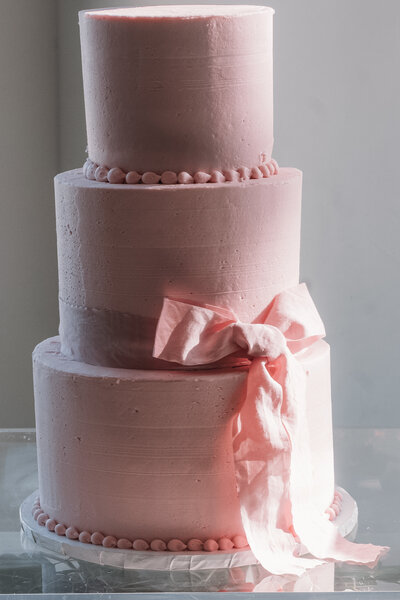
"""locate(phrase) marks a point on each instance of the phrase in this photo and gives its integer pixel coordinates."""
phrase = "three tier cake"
(185, 406)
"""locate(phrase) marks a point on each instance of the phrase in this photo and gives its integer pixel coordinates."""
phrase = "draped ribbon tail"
(274, 478)
(262, 450)
(323, 540)
(319, 535)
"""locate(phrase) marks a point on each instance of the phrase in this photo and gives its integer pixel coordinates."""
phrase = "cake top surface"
(185, 11)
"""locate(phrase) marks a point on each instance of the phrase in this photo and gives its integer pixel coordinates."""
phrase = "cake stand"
(346, 522)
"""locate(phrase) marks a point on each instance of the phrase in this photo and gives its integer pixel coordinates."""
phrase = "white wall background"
(28, 161)
(337, 93)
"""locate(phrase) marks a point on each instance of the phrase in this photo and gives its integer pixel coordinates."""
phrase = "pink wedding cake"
(185, 405)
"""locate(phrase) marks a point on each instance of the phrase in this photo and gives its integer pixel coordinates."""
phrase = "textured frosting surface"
(148, 455)
(122, 249)
(178, 88)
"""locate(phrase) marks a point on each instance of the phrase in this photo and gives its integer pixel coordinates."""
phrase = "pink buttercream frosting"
(178, 88)
(124, 544)
(84, 537)
(51, 524)
(155, 545)
(72, 533)
(60, 529)
(227, 244)
(158, 545)
(195, 545)
(187, 457)
(97, 538)
(103, 174)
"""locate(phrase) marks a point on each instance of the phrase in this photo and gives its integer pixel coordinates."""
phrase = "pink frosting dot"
(271, 169)
(169, 178)
(225, 543)
(109, 541)
(158, 545)
(91, 170)
(97, 538)
(217, 177)
(255, 173)
(201, 177)
(88, 162)
(244, 173)
(116, 175)
(210, 546)
(37, 500)
(35, 507)
(101, 174)
(72, 533)
(150, 178)
(176, 545)
(37, 513)
(133, 177)
(239, 541)
(231, 175)
(336, 508)
(140, 545)
(60, 529)
(331, 514)
(195, 545)
(42, 519)
(51, 524)
(264, 170)
(85, 537)
(274, 166)
(124, 544)
(338, 495)
(185, 178)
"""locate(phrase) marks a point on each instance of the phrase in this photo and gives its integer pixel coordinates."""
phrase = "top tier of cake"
(179, 88)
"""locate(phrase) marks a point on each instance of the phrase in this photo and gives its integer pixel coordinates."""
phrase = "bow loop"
(194, 335)
(294, 313)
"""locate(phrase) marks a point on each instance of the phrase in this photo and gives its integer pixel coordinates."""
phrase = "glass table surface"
(367, 465)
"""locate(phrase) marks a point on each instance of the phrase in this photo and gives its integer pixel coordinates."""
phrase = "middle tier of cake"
(148, 454)
(123, 248)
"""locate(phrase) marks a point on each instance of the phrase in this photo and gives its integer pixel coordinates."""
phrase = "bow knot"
(259, 340)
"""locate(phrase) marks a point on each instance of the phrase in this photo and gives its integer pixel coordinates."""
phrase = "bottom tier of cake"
(147, 455)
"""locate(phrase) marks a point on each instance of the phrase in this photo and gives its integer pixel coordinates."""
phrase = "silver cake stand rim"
(346, 523)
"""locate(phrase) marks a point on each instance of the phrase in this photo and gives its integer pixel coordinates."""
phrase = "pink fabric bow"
(270, 443)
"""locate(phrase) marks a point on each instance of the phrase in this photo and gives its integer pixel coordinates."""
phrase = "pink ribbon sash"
(270, 441)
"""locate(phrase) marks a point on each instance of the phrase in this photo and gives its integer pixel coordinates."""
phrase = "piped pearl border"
(95, 172)
(156, 545)
(333, 511)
